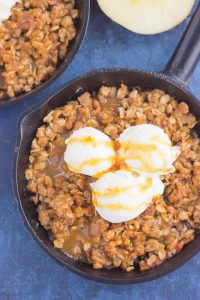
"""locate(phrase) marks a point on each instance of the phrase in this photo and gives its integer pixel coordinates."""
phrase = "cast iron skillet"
(84, 12)
(174, 80)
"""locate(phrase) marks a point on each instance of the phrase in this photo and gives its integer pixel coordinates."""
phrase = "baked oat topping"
(63, 198)
(33, 41)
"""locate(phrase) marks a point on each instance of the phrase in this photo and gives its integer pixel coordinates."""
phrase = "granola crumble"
(33, 41)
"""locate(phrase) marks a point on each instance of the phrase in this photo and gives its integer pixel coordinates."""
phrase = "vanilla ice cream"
(122, 196)
(127, 169)
(90, 152)
(146, 149)
(5, 9)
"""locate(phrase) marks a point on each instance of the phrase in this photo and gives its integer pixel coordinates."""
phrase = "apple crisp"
(63, 199)
(33, 41)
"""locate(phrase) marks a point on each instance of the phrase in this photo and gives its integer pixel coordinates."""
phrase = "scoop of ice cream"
(146, 149)
(89, 151)
(122, 196)
(5, 9)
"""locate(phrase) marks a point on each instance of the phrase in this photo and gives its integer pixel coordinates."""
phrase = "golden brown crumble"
(63, 198)
(33, 41)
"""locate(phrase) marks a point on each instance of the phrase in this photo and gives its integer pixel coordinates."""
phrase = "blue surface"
(26, 273)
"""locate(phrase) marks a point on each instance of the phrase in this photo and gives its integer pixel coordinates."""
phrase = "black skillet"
(83, 7)
(173, 80)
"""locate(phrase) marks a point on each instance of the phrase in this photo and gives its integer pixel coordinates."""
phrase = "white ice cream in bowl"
(126, 171)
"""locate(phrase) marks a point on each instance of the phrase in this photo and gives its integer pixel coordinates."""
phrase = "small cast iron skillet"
(83, 7)
(173, 80)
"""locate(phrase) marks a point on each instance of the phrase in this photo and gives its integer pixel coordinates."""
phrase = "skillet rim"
(174, 262)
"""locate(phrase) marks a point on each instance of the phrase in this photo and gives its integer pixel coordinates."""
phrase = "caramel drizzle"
(90, 162)
(156, 138)
(134, 151)
(116, 191)
(93, 161)
(89, 140)
(133, 2)
(74, 238)
(54, 165)
(118, 206)
(119, 190)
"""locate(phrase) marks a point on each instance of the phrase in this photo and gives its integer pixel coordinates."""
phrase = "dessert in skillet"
(115, 177)
(35, 36)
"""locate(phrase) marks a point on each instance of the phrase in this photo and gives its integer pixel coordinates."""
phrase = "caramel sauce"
(93, 161)
(54, 167)
(90, 162)
(116, 146)
(140, 152)
(156, 138)
(134, 154)
(94, 229)
(83, 140)
(89, 140)
(117, 163)
(146, 166)
(111, 104)
(119, 190)
(166, 170)
(58, 146)
(76, 238)
(112, 192)
(147, 185)
(117, 206)
(55, 162)
(127, 146)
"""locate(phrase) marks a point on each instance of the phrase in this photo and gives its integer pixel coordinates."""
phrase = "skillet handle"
(187, 54)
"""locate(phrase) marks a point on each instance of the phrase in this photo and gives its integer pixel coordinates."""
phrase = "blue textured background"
(26, 273)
